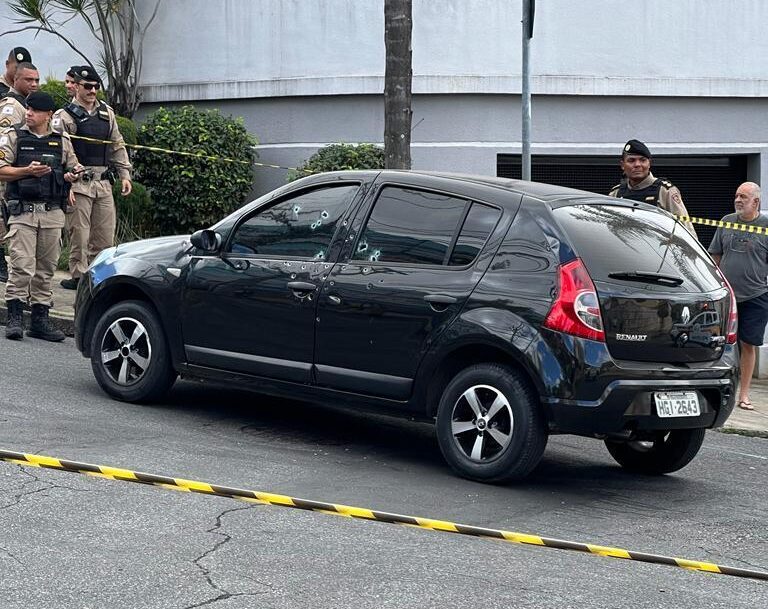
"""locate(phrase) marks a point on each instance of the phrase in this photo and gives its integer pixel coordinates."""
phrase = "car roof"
(537, 190)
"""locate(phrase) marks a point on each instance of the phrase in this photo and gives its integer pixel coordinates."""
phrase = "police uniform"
(36, 217)
(12, 109)
(91, 225)
(652, 190)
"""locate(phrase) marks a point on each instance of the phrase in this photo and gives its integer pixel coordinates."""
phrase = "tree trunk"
(398, 24)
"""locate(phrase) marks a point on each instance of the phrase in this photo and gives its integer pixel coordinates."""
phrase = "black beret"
(40, 100)
(73, 70)
(87, 73)
(21, 54)
(636, 147)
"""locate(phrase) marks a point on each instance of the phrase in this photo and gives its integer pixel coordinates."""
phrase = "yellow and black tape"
(181, 484)
(197, 155)
(748, 228)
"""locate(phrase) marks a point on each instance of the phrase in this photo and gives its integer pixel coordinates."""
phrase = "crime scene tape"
(748, 228)
(181, 484)
(197, 155)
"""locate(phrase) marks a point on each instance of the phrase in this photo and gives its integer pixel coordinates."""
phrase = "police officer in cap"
(15, 57)
(639, 184)
(91, 225)
(37, 166)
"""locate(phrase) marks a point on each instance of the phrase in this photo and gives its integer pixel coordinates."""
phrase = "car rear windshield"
(615, 241)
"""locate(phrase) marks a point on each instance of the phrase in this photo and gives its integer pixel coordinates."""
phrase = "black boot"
(3, 266)
(41, 326)
(13, 328)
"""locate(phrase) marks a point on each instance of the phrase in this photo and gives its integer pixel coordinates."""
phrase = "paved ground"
(755, 422)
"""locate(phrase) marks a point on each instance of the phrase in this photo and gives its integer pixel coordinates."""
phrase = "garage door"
(707, 183)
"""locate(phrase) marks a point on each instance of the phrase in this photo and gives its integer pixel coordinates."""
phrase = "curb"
(60, 321)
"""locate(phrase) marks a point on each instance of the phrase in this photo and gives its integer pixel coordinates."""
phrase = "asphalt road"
(70, 540)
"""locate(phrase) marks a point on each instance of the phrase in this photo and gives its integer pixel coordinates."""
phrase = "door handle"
(439, 299)
(301, 286)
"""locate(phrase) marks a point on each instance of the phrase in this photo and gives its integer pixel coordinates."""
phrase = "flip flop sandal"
(744, 405)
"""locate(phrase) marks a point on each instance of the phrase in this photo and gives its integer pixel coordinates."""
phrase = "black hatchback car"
(504, 310)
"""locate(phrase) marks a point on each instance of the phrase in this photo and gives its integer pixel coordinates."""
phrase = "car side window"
(478, 226)
(301, 226)
(410, 226)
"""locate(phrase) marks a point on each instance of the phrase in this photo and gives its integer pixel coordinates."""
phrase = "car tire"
(129, 353)
(667, 452)
(506, 441)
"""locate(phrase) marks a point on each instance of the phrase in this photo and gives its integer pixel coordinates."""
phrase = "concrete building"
(690, 78)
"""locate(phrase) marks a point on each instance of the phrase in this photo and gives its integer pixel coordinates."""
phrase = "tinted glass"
(478, 226)
(410, 226)
(613, 239)
(302, 226)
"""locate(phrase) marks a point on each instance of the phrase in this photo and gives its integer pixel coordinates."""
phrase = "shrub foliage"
(338, 157)
(190, 193)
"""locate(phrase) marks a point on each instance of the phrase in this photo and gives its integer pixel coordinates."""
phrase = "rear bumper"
(628, 405)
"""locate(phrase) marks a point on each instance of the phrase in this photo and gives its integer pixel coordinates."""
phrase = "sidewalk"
(753, 422)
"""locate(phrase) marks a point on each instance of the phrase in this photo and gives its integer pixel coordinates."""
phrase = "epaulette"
(666, 183)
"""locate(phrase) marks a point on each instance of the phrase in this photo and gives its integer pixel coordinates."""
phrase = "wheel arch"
(442, 370)
(106, 298)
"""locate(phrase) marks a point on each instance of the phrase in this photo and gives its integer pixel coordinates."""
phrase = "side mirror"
(206, 240)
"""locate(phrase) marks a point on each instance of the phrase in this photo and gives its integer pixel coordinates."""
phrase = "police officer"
(36, 165)
(639, 184)
(91, 225)
(12, 111)
(15, 57)
(69, 81)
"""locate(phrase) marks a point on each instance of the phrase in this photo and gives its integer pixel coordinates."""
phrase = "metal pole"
(526, 92)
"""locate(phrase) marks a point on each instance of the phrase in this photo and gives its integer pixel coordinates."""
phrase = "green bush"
(336, 157)
(190, 193)
(57, 90)
(135, 216)
(127, 130)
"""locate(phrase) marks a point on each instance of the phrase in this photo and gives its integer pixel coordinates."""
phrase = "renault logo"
(686, 316)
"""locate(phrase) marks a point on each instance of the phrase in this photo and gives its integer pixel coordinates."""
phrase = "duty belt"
(92, 176)
(27, 207)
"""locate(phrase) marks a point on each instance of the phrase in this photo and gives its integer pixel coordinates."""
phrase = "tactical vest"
(649, 194)
(48, 150)
(4, 89)
(94, 126)
(17, 96)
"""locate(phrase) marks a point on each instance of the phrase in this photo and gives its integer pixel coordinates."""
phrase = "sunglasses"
(88, 86)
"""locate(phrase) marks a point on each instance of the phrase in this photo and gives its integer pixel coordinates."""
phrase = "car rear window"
(614, 239)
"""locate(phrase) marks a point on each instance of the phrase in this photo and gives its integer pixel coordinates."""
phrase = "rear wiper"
(647, 277)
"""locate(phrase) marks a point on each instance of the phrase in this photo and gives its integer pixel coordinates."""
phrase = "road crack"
(223, 594)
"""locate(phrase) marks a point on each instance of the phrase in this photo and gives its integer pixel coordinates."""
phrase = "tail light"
(731, 333)
(576, 309)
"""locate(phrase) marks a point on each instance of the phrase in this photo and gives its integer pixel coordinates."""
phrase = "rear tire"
(667, 452)
(129, 353)
(489, 424)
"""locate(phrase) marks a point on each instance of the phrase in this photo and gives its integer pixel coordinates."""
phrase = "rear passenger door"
(407, 273)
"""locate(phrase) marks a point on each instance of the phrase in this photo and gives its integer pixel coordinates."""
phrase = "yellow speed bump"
(368, 514)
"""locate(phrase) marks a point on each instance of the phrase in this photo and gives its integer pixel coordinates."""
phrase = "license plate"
(677, 404)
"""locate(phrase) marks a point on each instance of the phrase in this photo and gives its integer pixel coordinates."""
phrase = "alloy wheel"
(126, 351)
(482, 423)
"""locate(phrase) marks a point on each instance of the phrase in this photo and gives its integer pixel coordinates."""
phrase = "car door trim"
(271, 367)
(361, 381)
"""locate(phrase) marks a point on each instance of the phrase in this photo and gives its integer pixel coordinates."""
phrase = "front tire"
(664, 453)
(129, 353)
(489, 424)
